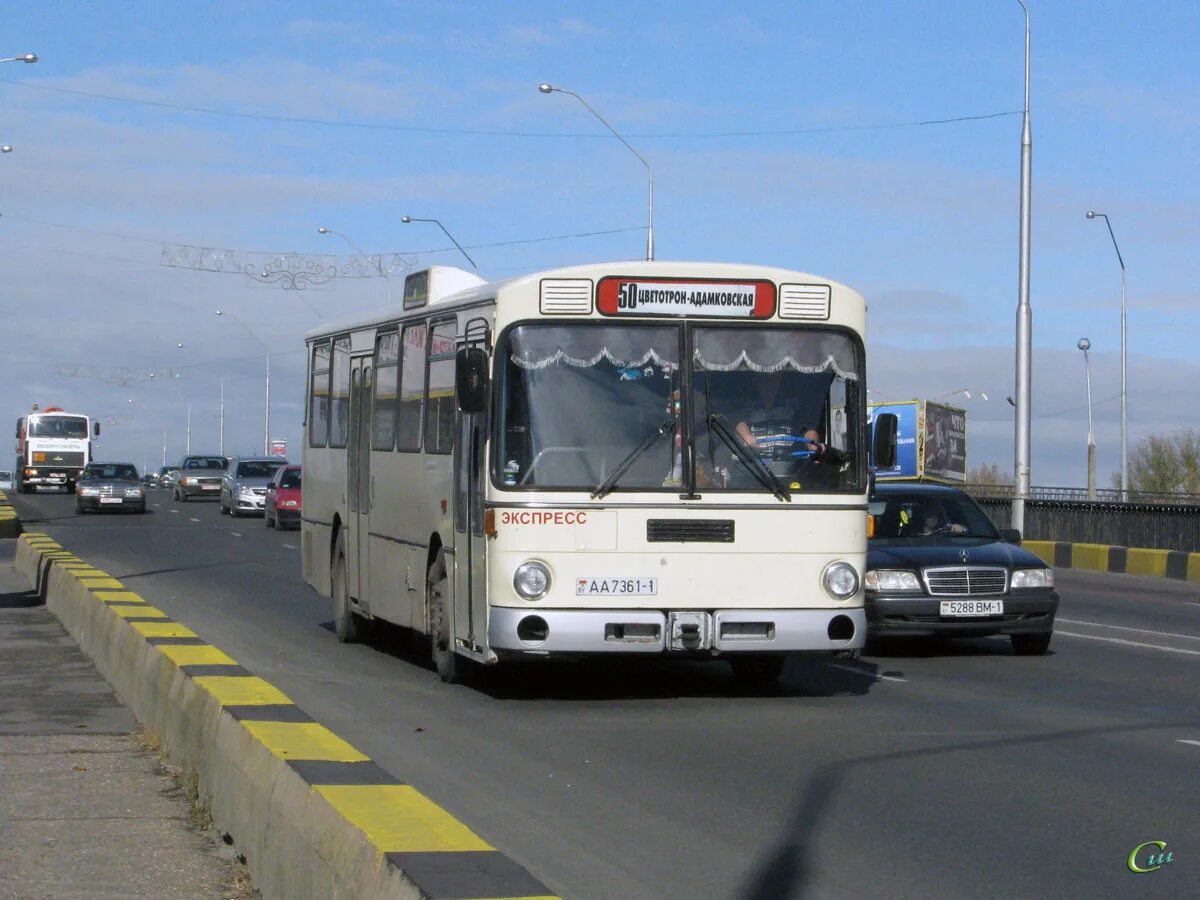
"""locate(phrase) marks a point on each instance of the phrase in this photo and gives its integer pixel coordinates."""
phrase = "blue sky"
(922, 219)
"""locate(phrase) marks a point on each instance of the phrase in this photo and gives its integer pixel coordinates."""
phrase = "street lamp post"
(24, 57)
(1124, 393)
(267, 401)
(1021, 454)
(378, 263)
(409, 219)
(551, 89)
(1085, 345)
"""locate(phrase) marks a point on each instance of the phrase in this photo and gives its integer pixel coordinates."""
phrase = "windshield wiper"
(731, 440)
(623, 466)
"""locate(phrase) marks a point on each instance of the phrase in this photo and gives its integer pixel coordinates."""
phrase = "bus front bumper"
(549, 631)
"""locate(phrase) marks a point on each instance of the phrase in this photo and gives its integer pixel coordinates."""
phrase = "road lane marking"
(1194, 743)
(866, 673)
(174, 510)
(236, 533)
(1092, 637)
(1186, 637)
(289, 547)
(193, 520)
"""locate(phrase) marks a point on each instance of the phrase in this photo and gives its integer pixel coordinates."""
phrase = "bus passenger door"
(470, 585)
(358, 487)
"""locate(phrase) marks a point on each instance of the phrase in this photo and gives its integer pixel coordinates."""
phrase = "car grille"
(963, 581)
(713, 531)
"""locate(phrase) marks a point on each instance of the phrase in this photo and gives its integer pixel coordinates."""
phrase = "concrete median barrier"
(10, 522)
(313, 816)
(1120, 560)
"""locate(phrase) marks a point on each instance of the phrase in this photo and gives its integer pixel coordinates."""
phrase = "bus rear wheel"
(441, 641)
(345, 622)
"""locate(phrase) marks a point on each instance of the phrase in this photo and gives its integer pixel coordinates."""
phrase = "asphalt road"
(941, 769)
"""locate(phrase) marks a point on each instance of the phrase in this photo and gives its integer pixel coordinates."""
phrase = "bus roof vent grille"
(804, 301)
(566, 296)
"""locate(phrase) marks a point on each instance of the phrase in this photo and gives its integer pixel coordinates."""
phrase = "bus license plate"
(964, 608)
(616, 587)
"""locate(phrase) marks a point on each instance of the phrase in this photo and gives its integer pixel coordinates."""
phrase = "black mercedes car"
(936, 565)
(109, 486)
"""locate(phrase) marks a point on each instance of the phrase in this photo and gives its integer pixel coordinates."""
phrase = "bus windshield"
(58, 426)
(601, 407)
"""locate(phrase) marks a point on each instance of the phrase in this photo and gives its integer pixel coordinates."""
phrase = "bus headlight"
(840, 580)
(532, 580)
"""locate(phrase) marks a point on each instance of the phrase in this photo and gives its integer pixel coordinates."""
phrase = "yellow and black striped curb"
(10, 522)
(415, 847)
(1121, 560)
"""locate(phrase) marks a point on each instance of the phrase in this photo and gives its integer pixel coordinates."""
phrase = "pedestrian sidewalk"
(86, 807)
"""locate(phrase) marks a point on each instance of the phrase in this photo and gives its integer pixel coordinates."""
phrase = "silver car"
(244, 488)
(198, 476)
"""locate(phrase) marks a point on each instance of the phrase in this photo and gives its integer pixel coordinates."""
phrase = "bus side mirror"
(96, 428)
(471, 379)
(883, 443)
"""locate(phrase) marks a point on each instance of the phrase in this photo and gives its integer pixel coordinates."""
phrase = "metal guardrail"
(1159, 521)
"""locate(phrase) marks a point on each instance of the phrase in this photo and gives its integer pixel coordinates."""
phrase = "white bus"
(611, 458)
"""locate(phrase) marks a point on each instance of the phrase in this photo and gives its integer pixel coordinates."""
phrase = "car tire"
(79, 510)
(1031, 644)
(757, 671)
(441, 643)
(345, 622)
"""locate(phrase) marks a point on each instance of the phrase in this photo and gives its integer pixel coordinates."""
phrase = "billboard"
(945, 454)
(279, 448)
(931, 442)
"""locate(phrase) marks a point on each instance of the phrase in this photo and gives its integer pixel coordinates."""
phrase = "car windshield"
(290, 479)
(602, 407)
(110, 472)
(205, 462)
(929, 517)
(58, 427)
(257, 468)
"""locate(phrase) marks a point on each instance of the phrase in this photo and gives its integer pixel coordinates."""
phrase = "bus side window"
(439, 402)
(339, 393)
(318, 396)
(387, 355)
(412, 386)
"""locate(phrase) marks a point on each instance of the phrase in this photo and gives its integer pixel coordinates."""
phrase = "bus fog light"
(532, 580)
(840, 580)
(533, 630)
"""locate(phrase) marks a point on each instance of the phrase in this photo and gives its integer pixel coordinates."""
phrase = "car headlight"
(532, 580)
(244, 491)
(890, 580)
(291, 503)
(1032, 578)
(191, 481)
(840, 580)
(133, 492)
(90, 492)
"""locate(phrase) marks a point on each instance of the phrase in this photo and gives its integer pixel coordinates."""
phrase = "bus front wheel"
(441, 641)
(345, 623)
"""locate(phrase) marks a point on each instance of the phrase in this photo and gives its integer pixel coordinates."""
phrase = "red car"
(281, 508)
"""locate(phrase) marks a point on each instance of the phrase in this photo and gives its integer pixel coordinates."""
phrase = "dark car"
(936, 565)
(281, 509)
(109, 486)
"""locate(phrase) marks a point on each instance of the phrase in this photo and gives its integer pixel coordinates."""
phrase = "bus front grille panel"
(701, 531)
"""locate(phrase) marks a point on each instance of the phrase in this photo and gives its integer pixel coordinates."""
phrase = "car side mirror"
(1010, 535)
(471, 379)
(96, 429)
(883, 441)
